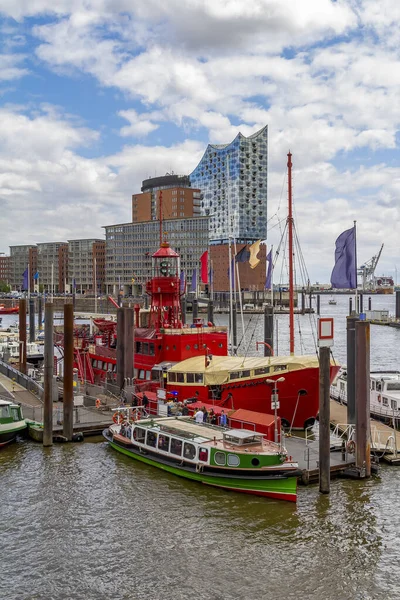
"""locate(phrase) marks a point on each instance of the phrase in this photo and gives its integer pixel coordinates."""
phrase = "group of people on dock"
(202, 415)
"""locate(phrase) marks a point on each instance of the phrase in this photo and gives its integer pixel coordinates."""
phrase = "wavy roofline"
(223, 146)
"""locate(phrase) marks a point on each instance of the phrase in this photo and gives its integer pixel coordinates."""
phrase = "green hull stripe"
(277, 486)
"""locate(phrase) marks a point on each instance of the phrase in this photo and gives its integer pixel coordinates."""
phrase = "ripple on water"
(83, 522)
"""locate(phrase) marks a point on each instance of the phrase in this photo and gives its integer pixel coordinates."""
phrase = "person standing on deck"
(199, 416)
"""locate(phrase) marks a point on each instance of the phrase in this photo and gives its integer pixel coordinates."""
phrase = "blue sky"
(97, 95)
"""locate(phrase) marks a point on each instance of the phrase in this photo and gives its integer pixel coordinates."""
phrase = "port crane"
(367, 272)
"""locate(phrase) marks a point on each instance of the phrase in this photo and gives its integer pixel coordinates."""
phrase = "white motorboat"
(384, 393)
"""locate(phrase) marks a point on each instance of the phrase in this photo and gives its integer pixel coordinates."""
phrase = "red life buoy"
(351, 446)
(118, 417)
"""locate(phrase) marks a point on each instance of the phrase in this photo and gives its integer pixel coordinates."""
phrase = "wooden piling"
(22, 335)
(370, 303)
(303, 303)
(350, 306)
(68, 393)
(351, 369)
(363, 447)
(318, 304)
(31, 319)
(324, 420)
(120, 347)
(48, 375)
(268, 330)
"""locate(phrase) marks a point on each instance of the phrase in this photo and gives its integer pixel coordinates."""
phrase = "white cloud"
(139, 124)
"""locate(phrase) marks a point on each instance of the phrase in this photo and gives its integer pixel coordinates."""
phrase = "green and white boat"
(11, 421)
(234, 459)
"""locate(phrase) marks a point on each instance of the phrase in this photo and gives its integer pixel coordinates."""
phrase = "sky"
(97, 95)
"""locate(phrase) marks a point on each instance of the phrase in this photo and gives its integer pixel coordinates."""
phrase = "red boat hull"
(9, 311)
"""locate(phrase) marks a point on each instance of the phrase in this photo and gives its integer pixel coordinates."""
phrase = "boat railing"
(380, 440)
(20, 378)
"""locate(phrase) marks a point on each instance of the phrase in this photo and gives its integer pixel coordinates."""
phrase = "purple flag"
(268, 281)
(25, 279)
(194, 281)
(183, 282)
(344, 274)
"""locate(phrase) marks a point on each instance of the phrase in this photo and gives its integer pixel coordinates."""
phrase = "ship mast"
(290, 234)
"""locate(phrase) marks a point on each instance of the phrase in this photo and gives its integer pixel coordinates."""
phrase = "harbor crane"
(367, 272)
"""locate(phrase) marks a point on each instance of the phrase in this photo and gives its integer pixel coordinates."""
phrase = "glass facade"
(235, 172)
(129, 248)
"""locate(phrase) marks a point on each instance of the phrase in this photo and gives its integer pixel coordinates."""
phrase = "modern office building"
(81, 272)
(99, 265)
(52, 266)
(129, 247)
(21, 258)
(179, 200)
(5, 269)
(233, 182)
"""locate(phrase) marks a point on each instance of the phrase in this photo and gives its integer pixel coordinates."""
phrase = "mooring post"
(31, 319)
(363, 446)
(22, 335)
(324, 420)
(398, 305)
(68, 386)
(268, 330)
(350, 306)
(120, 347)
(40, 314)
(351, 369)
(310, 299)
(318, 304)
(129, 341)
(303, 303)
(361, 297)
(210, 311)
(234, 328)
(48, 375)
(370, 303)
(195, 309)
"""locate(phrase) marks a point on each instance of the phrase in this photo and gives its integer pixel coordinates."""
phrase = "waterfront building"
(21, 257)
(235, 174)
(129, 247)
(81, 255)
(52, 266)
(5, 265)
(179, 199)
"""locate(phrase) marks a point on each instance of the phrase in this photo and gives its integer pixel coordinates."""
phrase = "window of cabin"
(385, 401)
(180, 377)
(189, 377)
(172, 377)
(189, 451)
(176, 447)
(220, 458)
(145, 348)
(261, 371)
(151, 349)
(198, 377)
(280, 368)
(15, 414)
(233, 460)
(139, 347)
(139, 434)
(234, 375)
(372, 385)
(151, 439)
(163, 442)
(141, 374)
(203, 454)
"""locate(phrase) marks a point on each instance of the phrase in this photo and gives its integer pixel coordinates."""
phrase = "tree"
(4, 287)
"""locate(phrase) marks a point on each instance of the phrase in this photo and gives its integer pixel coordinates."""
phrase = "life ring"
(379, 398)
(118, 417)
(351, 446)
(98, 403)
(135, 415)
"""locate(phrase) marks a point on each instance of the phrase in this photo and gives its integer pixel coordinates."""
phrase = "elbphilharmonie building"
(233, 181)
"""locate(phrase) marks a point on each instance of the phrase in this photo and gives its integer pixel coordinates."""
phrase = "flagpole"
(272, 276)
(230, 257)
(29, 280)
(240, 294)
(355, 260)
(212, 281)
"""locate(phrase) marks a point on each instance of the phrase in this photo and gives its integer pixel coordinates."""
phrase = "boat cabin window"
(241, 440)
(15, 414)
(176, 447)
(189, 451)
(280, 368)
(151, 439)
(385, 401)
(393, 404)
(180, 377)
(203, 454)
(139, 434)
(151, 349)
(261, 371)
(233, 460)
(172, 377)
(393, 385)
(372, 385)
(141, 374)
(163, 442)
(378, 386)
(194, 377)
(4, 412)
(342, 387)
(94, 364)
(220, 458)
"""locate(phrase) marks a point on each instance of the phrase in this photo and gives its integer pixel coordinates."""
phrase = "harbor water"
(82, 522)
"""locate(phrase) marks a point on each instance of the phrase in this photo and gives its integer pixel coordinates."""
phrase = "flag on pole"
(36, 276)
(194, 281)
(268, 281)
(243, 255)
(25, 282)
(182, 282)
(204, 267)
(254, 250)
(344, 272)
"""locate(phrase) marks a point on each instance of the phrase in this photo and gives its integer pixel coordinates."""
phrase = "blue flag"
(268, 281)
(36, 276)
(182, 282)
(243, 255)
(194, 280)
(344, 275)
(25, 279)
